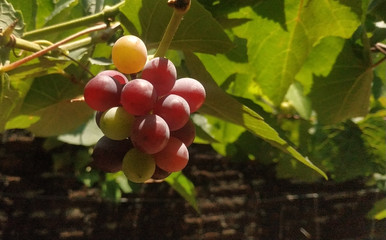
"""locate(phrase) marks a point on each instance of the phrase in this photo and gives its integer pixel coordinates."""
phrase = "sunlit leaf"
(50, 99)
(9, 98)
(184, 187)
(87, 135)
(221, 105)
(345, 92)
(198, 31)
(378, 211)
(284, 37)
(8, 17)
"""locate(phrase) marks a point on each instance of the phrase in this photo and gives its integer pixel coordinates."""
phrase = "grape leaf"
(28, 11)
(87, 135)
(43, 11)
(301, 103)
(198, 31)
(184, 187)
(320, 61)
(9, 98)
(373, 138)
(378, 211)
(345, 92)
(279, 48)
(219, 104)
(8, 17)
(49, 98)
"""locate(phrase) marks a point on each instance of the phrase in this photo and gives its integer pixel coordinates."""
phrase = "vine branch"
(105, 14)
(379, 47)
(40, 53)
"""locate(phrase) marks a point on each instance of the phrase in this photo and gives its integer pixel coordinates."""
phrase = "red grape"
(173, 109)
(162, 73)
(174, 157)
(160, 174)
(98, 116)
(138, 97)
(102, 92)
(108, 154)
(120, 77)
(150, 133)
(191, 90)
(186, 134)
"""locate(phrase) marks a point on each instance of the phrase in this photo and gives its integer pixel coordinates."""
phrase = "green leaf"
(9, 98)
(21, 121)
(43, 11)
(87, 135)
(50, 99)
(345, 92)
(378, 212)
(198, 32)
(278, 49)
(224, 132)
(378, 8)
(111, 190)
(184, 187)
(320, 61)
(8, 16)
(374, 136)
(221, 105)
(123, 183)
(62, 7)
(343, 151)
(89, 178)
(301, 103)
(28, 11)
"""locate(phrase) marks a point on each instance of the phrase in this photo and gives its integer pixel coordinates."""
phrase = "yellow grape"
(129, 54)
(116, 123)
(138, 166)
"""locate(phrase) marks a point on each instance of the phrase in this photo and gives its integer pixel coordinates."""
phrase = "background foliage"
(287, 81)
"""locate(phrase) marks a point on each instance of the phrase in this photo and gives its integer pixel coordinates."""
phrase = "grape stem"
(180, 8)
(105, 15)
(40, 53)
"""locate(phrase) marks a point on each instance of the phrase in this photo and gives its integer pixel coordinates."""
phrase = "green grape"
(116, 123)
(138, 166)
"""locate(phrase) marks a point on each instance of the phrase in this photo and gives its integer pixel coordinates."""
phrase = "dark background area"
(240, 200)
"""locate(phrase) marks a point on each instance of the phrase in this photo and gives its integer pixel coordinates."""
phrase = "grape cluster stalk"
(145, 120)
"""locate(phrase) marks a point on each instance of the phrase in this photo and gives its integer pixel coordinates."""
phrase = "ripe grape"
(121, 78)
(191, 90)
(138, 97)
(116, 123)
(162, 73)
(186, 134)
(174, 157)
(102, 92)
(174, 110)
(108, 154)
(138, 166)
(98, 116)
(160, 174)
(129, 54)
(150, 133)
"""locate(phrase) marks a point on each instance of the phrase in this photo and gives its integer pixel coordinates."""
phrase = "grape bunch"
(145, 120)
